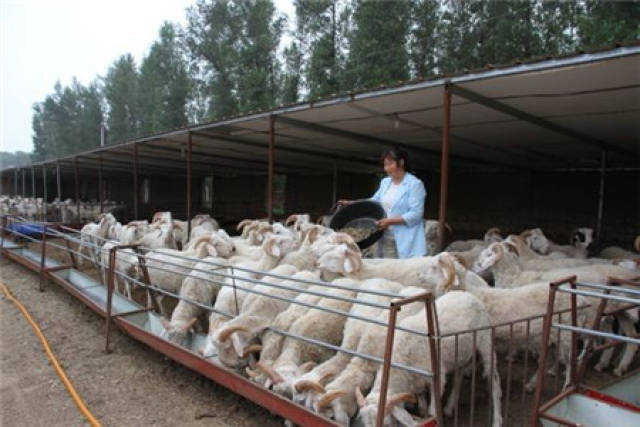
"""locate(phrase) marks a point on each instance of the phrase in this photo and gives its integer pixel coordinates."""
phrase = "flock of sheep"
(65, 211)
(308, 281)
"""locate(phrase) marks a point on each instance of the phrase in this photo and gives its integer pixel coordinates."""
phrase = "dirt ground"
(133, 385)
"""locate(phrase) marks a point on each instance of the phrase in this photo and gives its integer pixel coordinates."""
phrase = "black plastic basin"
(360, 214)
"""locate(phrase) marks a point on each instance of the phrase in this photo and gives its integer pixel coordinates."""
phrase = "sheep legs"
(455, 392)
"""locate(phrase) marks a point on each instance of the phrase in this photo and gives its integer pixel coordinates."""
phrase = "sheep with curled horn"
(457, 311)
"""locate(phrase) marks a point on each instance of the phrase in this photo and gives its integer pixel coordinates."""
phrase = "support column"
(33, 183)
(334, 199)
(24, 190)
(135, 182)
(272, 138)
(100, 186)
(44, 191)
(58, 182)
(77, 187)
(444, 165)
(189, 144)
(603, 165)
(15, 182)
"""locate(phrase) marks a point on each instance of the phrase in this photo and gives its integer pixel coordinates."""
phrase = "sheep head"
(177, 331)
(278, 246)
(488, 257)
(582, 237)
(536, 240)
(339, 405)
(235, 343)
(340, 260)
(493, 235)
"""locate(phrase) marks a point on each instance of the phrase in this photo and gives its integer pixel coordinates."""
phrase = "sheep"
(456, 311)
(257, 312)
(613, 252)
(508, 273)
(492, 235)
(316, 324)
(342, 260)
(160, 236)
(273, 249)
(125, 264)
(92, 236)
(365, 338)
(198, 287)
(166, 267)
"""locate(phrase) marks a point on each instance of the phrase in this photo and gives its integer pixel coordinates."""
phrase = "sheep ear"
(239, 344)
(272, 247)
(349, 266)
(211, 250)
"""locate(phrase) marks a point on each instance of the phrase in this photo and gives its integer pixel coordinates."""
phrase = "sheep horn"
(326, 376)
(253, 348)
(291, 218)
(243, 224)
(360, 398)
(449, 270)
(307, 366)
(526, 234)
(225, 333)
(251, 373)
(493, 230)
(329, 397)
(306, 385)
(270, 372)
(398, 398)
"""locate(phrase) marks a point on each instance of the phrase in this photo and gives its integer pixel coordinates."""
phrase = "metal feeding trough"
(32, 257)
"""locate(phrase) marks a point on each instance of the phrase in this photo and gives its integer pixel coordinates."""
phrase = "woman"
(402, 195)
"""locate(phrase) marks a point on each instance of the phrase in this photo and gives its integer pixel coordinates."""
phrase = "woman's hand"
(344, 202)
(384, 223)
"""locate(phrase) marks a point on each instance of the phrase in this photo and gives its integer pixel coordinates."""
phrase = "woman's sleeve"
(417, 195)
(378, 194)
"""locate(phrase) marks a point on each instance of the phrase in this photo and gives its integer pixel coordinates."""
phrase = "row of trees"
(236, 56)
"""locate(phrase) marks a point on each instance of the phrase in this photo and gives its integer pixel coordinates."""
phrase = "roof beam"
(385, 142)
(507, 109)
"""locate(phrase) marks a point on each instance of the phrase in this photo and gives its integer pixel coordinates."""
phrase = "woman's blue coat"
(409, 204)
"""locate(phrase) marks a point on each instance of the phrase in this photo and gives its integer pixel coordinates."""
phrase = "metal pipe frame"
(15, 182)
(77, 186)
(100, 186)
(603, 165)
(33, 183)
(444, 165)
(189, 148)
(58, 183)
(24, 193)
(45, 195)
(272, 138)
(135, 182)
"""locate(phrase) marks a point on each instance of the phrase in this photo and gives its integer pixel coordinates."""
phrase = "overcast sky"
(43, 41)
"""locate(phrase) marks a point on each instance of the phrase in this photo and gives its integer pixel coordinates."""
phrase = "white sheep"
(92, 237)
(613, 252)
(457, 311)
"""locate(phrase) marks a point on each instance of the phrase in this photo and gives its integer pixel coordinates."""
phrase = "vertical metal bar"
(391, 329)
(43, 249)
(603, 165)
(525, 376)
(135, 182)
(546, 331)
(444, 165)
(110, 286)
(432, 333)
(24, 191)
(189, 147)
(77, 186)
(334, 198)
(574, 336)
(272, 137)
(33, 183)
(100, 186)
(509, 370)
(72, 256)
(58, 183)
(457, 372)
(491, 368)
(45, 194)
(556, 364)
(473, 380)
(590, 339)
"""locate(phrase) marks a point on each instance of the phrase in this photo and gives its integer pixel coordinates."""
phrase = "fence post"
(43, 250)
(388, 348)
(110, 285)
(433, 353)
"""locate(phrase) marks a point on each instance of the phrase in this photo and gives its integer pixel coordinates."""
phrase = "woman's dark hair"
(396, 154)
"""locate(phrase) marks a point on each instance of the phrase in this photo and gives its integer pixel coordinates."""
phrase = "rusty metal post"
(43, 250)
(444, 165)
(110, 286)
(189, 147)
(388, 348)
(334, 199)
(574, 335)
(33, 183)
(72, 257)
(100, 186)
(44, 192)
(434, 354)
(24, 191)
(135, 182)
(77, 186)
(603, 165)
(272, 137)
(15, 182)
(147, 281)
(542, 361)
